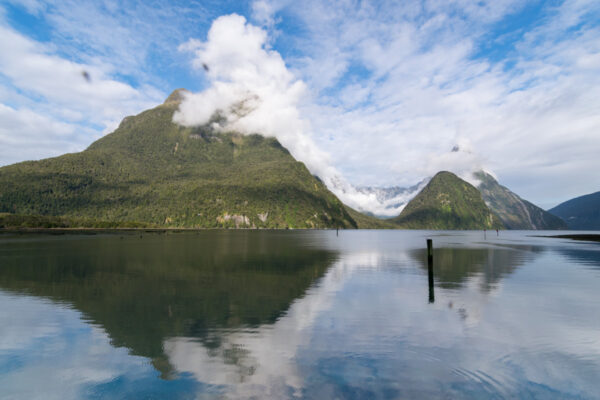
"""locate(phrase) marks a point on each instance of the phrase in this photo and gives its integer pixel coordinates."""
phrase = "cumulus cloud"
(407, 81)
(388, 87)
(462, 159)
(98, 99)
(37, 134)
(50, 105)
(251, 87)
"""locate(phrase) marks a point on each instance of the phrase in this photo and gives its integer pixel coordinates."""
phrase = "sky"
(364, 93)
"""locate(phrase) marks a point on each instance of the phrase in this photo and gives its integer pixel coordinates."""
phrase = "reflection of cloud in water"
(366, 329)
(454, 266)
(509, 320)
(263, 361)
(143, 291)
(48, 352)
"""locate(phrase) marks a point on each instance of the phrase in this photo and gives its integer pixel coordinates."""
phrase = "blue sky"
(379, 90)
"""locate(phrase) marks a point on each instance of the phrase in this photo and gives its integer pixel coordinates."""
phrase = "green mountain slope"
(153, 171)
(580, 213)
(365, 221)
(515, 212)
(447, 202)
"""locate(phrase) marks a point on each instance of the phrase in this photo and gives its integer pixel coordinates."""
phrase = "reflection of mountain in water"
(586, 257)
(454, 266)
(145, 290)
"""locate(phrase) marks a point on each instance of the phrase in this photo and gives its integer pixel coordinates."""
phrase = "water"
(298, 314)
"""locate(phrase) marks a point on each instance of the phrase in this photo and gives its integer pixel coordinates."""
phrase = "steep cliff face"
(515, 212)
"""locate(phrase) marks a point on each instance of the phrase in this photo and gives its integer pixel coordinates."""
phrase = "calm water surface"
(299, 314)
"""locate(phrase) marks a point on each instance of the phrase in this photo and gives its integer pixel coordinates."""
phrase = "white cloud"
(121, 35)
(529, 114)
(256, 93)
(61, 82)
(25, 134)
(251, 86)
(52, 105)
(34, 7)
(382, 89)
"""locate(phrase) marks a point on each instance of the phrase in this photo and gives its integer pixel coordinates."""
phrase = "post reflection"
(455, 265)
(263, 315)
(430, 278)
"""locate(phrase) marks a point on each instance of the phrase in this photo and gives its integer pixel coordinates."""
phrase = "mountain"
(515, 212)
(391, 198)
(153, 171)
(447, 202)
(580, 213)
(363, 221)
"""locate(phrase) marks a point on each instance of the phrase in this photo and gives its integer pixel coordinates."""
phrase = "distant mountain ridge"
(515, 212)
(511, 209)
(447, 202)
(392, 197)
(580, 213)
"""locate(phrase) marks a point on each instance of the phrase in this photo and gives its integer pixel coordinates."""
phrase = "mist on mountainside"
(252, 91)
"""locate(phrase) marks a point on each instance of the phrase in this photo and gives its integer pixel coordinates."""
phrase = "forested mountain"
(447, 202)
(580, 213)
(153, 171)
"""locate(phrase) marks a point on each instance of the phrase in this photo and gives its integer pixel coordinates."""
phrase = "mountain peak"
(447, 202)
(515, 212)
(154, 172)
(444, 174)
(176, 96)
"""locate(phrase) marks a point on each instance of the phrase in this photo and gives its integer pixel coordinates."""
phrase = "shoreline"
(94, 231)
(589, 237)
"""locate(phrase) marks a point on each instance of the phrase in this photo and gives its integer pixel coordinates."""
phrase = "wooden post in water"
(429, 249)
(430, 270)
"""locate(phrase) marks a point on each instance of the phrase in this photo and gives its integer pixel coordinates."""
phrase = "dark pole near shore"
(430, 269)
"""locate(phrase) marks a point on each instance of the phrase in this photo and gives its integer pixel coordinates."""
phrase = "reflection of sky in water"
(48, 352)
(525, 323)
(371, 333)
(468, 343)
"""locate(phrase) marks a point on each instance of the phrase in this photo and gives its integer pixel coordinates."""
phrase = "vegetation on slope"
(447, 202)
(580, 213)
(17, 221)
(364, 221)
(515, 212)
(153, 171)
